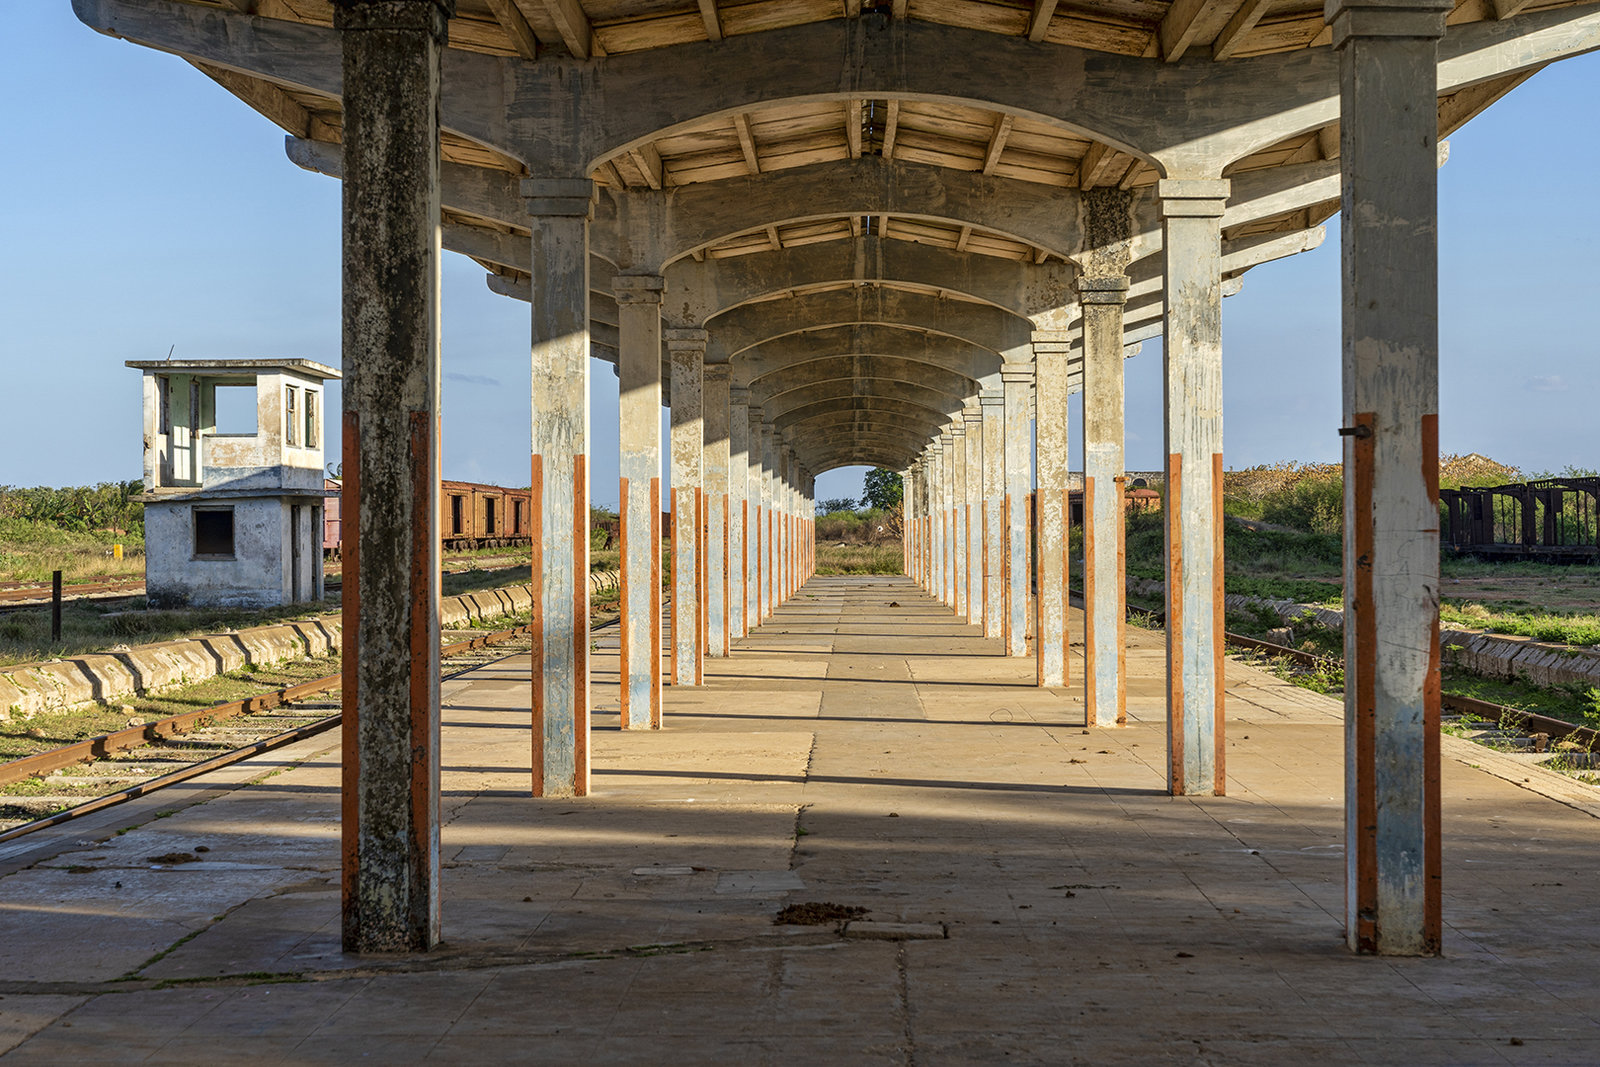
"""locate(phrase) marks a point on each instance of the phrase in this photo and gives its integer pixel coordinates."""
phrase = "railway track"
(114, 768)
(30, 592)
(1538, 731)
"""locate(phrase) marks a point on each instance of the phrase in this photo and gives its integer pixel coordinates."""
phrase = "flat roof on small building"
(310, 368)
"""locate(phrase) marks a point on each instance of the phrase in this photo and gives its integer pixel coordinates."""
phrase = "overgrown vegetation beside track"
(71, 530)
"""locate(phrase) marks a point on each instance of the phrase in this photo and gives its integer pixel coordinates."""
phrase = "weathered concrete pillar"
(1192, 243)
(560, 481)
(755, 538)
(992, 404)
(1387, 60)
(958, 513)
(769, 532)
(1052, 474)
(738, 507)
(938, 505)
(781, 509)
(639, 373)
(1105, 564)
(909, 518)
(687, 350)
(972, 416)
(390, 776)
(1017, 378)
(719, 510)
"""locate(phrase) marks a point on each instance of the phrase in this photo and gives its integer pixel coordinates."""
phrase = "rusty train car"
(471, 515)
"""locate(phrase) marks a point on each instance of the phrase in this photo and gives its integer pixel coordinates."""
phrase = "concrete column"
(908, 521)
(738, 506)
(639, 374)
(992, 404)
(1192, 243)
(560, 480)
(687, 350)
(780, 507)
(1052, 460)
(390, 774)
(755, 538)
(1017, 378)
(769, 531)
(972, 417)
(719, 511)
(1105, 563)
(1387, 61)
(958, 510)
(936, 513)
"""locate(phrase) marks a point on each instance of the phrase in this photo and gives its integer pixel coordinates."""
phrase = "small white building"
(233, 478)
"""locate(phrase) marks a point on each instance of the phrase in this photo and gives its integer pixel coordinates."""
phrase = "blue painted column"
(1192, 243)
(639, 374)
(687, 350)
(1018, 386)
(560, 210)
(718, 550)
(1388, 55)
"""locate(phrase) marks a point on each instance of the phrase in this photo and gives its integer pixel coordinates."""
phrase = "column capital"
(1016, 373)
(638, 288)
(1193, 198)
(718, 372)
(1385, 18)
(739, 394)
(1112, 289)
(1049, 343)
(429, 15)
(973, 414)
(992, 398)
(560, 197)
(682, 340)
(754, 409)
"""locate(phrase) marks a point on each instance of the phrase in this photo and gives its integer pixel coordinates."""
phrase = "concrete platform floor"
(863, 749)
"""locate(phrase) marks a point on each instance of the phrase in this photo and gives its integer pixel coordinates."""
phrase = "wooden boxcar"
(471, 515)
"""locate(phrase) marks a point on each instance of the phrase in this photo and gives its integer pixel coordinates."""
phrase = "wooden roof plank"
(997, 143)
(1178, 29)
(264, 96)
(1039, 22)
(574, 26)
(852, 127)
(747, 143)
(708, 15)
(1243, 21)
(891, 128)
(512, 20)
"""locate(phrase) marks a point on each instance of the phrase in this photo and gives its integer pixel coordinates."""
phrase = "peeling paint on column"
(639, 385)
(1018, 387)
(687, 349)
(560, 210)
(1388, 152)
(992, 403)
(390, 778)
(1051, 636)
(1191, 218)
(718, 458)
(973, 505)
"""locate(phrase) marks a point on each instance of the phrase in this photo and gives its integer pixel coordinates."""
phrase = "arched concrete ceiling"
(959, 356)
(977, 324)
(892, 406)
(864, 369)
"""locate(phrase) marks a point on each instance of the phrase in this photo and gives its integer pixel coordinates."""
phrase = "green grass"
(30, 550)
(1575, 629)
(859, 559)
(1576, 704)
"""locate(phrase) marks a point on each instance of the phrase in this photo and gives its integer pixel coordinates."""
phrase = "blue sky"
(147, 209)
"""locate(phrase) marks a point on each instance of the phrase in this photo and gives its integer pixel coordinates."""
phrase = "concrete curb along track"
(65, 684)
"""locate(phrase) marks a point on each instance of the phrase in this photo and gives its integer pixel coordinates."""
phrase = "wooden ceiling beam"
(648, 160)
(1328, 141)
(1238, 28)
(997, 143)
(510, 18)
(852, 127)
(963, 238)
(573, 25)
(891, 128)
(747, 143)
(773, 239)
(899, 7)
(1039, 21)
(1504, 9)
(708, 15)
(1180, 25)
(1101, 165)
